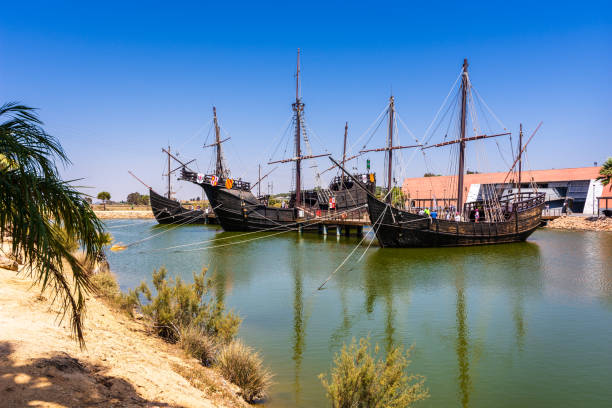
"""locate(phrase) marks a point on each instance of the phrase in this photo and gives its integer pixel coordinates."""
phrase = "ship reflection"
(298, 328)
(461, 344)
(391, 273)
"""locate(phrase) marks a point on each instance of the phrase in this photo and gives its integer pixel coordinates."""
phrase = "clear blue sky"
(117, 81)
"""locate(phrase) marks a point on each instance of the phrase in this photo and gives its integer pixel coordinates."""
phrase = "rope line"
(352, 252)
(290, 226)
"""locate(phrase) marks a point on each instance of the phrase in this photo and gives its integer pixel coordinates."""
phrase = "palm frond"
(39, 210)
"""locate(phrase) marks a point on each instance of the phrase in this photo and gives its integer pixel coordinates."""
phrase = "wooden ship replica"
(502, 219)
(238, 209)
(167, 210)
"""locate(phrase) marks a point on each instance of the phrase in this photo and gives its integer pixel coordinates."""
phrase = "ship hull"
(168, 211)
(397, 228)
(238, 210)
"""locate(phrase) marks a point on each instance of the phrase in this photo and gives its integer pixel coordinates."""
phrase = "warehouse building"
(575, 187)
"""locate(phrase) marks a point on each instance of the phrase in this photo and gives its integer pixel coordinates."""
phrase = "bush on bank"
(359, 378)
(188, 314)
(178, 306)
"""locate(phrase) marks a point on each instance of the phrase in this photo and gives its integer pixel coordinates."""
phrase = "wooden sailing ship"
(502, 219)
(238, 209)
(166, 210)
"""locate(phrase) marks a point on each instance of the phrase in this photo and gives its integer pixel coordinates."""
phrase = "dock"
(328, 223)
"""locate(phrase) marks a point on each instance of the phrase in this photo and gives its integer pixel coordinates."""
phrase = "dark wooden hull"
(397, 228)
(238, 210)
(168, 211)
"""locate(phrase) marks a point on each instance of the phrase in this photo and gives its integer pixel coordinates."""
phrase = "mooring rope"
(289, 226)
(314, 222)
(353, 251)
(121, 247)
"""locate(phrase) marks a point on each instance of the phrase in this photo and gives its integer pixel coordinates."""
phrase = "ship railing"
(356, 215)
(220, 181)
(236, 184)
(552, 212)
(347, 179)
(521, 202)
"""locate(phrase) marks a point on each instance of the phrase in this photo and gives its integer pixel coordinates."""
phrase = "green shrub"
(360, 379)
(199, 345)
(179, 305)
(242, 365)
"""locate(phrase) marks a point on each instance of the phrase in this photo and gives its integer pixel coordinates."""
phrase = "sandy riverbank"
(581, 223)
(127, 214)
(123, 366)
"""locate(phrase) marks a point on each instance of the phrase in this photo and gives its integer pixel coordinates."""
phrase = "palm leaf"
(39, 210)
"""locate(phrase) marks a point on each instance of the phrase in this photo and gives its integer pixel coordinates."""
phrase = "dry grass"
(204, 379)
(108, 290)
(243, 366)
(199, 345)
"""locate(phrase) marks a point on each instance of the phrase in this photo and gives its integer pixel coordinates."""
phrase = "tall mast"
(520, 160)
(464, 85)
(169, 191)
(344, 147)
(298, 107)
(219, 164)
(390, 145)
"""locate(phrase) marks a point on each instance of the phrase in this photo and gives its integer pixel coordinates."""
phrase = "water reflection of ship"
(298, 328)
(386, 275)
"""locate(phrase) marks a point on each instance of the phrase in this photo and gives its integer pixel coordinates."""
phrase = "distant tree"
(606, 172)
(104, 196)
(42, 213)
(430, 175)
(133, 198)
(144, 200)
(472, 172)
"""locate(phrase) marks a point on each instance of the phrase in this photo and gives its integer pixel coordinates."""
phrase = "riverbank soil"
(122, 366)
(127, 214)
(581, 223)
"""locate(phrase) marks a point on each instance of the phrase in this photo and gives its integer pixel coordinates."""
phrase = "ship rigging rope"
(253, 232)
(174, 226)
(356, 246)
(425, 139)
(123, 247)
(196, 134)
(367, 131)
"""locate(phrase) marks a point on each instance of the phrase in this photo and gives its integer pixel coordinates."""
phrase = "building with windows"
(576, 187)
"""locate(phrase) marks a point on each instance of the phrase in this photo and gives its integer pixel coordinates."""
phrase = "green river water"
(526, 324)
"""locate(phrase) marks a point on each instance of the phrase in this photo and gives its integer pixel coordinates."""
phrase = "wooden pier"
(328, 223)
